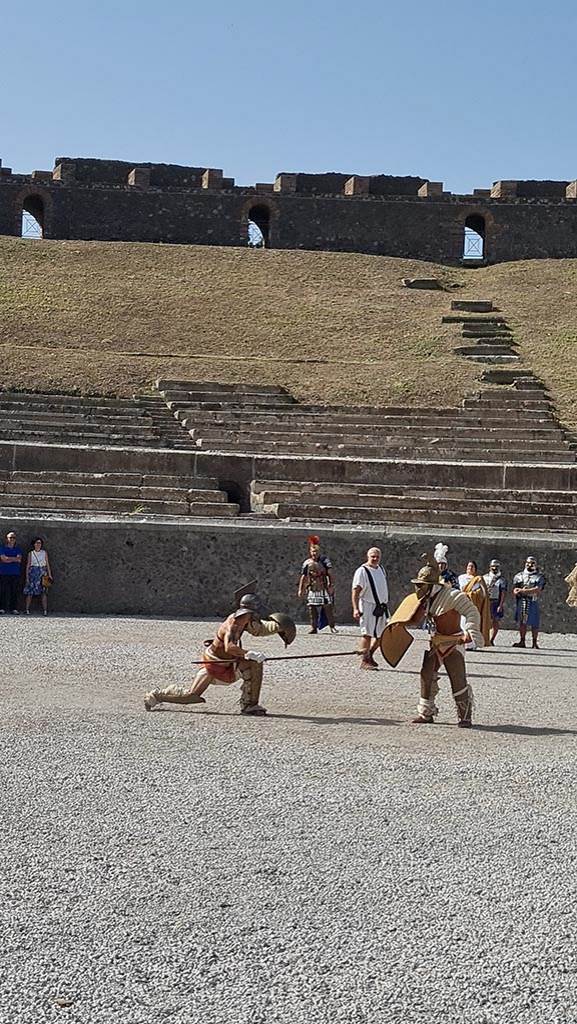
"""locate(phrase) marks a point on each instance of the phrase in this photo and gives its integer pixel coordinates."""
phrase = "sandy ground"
(327, 863)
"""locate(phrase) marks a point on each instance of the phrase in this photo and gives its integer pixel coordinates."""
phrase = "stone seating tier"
(114, 494)
(517, 510)
(98, 420)
(511, 423)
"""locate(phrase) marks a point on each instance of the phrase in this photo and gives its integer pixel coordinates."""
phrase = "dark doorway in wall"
(32, 217)
(474, 240)
(258, 216)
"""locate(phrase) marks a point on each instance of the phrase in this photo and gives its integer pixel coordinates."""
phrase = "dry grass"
(110, 317)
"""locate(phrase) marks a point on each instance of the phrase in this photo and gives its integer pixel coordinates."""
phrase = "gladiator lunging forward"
(441, 608)
(225, 659)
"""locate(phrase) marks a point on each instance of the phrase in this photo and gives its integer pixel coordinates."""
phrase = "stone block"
(482, 193)
(212, 178)
(424, 283)
(357, 185)
(285, 183)
(65, 171)
(504, 190)
(264, 188)
(139, 177)
(41, 176)
(431, 188)
(472, 305)
(571, 190)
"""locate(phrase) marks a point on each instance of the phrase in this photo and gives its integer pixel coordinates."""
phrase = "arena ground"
(330, 863)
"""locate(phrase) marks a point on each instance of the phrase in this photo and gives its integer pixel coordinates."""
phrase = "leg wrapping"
(251, 674)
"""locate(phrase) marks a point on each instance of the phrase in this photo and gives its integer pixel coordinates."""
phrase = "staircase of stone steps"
(515, 423)
(92, 420)
(489, 339)
(115, 494)
(309, 502)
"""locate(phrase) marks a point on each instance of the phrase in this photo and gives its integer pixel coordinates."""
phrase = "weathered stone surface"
(377, 214)
(106, 566)
(431, 283)
(472, 305)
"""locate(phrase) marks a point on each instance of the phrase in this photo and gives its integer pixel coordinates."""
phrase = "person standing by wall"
(497, 590)
(10, 566)
(475, 588)
(528, 586)
(38, 575)
(317, 582)
(370, 600)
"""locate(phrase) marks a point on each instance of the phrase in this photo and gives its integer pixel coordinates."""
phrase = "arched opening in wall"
(258, 227)
(32, 217)
(474, 240)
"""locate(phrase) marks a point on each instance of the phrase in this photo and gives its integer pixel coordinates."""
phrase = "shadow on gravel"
(343, 720)
(510, 664)
(525, 730)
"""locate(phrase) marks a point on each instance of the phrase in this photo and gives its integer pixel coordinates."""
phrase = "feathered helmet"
(428, 573)
(440, 553)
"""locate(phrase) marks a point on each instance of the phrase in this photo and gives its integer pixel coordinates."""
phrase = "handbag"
(380, 607)
(46, 581)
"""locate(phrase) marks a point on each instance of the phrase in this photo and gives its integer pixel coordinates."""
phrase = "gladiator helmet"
(428, 574)
(247, 600)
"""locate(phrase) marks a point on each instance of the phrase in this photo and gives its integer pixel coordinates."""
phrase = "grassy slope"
(110, 317)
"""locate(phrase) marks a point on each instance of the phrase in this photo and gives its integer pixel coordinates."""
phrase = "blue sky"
(456, 92)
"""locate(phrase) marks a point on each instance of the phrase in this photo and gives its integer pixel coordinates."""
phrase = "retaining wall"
(128, 568)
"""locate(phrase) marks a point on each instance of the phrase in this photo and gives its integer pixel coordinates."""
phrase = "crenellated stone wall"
(413, 217)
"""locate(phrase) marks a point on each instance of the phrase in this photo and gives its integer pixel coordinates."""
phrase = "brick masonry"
(112, 200)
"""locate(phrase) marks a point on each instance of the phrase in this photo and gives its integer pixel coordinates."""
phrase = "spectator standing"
(497, 590)
(317, 582)
(528, 585)
(370, 599)
(38, 575)
(475, 588)
(445, 574)
(10, 566)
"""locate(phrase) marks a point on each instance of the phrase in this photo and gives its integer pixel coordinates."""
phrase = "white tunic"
(369, 624)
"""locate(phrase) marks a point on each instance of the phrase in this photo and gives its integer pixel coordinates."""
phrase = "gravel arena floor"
(329, 863)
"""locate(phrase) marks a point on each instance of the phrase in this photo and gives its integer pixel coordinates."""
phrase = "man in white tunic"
(370, 598)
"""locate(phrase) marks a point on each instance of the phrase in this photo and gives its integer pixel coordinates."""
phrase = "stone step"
(70, 436)
(76, 424)
(493, 359)
(460, 318)
(84, 401)
(116, 479)
(432, 452)
(306, 489)
(62, 503)
(351, 499)
(425, 517)
(471, 413)
(487, 332)
(530, 431)
(97, 491)
(466, 420)
(474, 438)
(472, 305)
(63, 413)
(229, 397)
(485, 350)
(169, 384)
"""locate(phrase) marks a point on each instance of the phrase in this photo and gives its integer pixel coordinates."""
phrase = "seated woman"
(474, 586)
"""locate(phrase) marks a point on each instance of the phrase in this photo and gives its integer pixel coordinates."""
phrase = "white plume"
(440, 553)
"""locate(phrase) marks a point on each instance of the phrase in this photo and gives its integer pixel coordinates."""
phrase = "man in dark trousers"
(10, 567)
